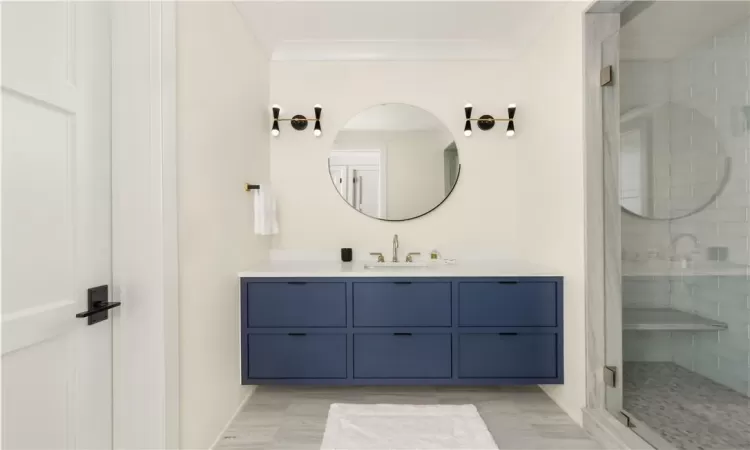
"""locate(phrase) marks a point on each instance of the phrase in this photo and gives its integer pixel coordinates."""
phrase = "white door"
(366, 186)
(56, 211)
(339, 178)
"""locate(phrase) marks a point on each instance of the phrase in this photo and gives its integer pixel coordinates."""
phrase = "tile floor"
(292, 418)
(689, 410)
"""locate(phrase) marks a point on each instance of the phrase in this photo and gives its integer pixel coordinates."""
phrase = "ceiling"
(389, 30)
(668, 29)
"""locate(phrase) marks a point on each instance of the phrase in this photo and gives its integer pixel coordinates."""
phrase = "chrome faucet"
(676, 239)
(395, 248)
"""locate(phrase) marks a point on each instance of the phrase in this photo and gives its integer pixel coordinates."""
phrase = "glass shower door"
(676, 132)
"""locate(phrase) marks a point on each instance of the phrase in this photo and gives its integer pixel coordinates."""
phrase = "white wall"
(222, 110)
(551, 182)
(480, 215)
(416, 173)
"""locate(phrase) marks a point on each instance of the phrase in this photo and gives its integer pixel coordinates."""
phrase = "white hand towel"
(266, 222)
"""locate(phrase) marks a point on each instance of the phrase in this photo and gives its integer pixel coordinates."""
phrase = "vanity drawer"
(503, 304)
(402, 304)
(296, 355)
(497, 355)
(402, 355)
(296, 304)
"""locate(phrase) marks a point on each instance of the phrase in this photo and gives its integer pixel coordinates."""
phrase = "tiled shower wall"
(711, 84)
(723, 356)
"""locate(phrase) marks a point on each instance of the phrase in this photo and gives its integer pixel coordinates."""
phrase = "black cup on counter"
(346, 254)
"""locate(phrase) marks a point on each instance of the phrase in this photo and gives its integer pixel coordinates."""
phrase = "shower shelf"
(667, 319)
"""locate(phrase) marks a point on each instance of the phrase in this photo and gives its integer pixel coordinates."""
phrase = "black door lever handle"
(99, 307)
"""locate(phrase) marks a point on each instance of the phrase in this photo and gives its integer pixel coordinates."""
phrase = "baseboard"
(224, 429)
(574, 413)
(610, 432)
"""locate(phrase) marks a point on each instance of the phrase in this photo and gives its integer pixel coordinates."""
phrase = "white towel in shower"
(266, 222)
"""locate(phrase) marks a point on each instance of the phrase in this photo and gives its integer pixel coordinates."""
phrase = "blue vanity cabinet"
(296, 355)
(401, 304)
(296, 304)
(507, 355)
(507, 304)
(402, 330)
(402, 355)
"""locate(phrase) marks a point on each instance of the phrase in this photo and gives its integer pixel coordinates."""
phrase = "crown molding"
(392, 50)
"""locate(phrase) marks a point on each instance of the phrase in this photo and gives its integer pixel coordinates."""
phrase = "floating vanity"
(342, 324)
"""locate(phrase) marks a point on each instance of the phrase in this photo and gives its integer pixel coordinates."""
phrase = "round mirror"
(672, 163)
(394, 162)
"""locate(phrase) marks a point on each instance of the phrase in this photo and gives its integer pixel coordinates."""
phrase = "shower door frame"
(603, 416)
(611, 218)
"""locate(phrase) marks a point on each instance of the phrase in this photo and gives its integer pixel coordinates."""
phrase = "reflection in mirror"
(672, 164)
(394, 162)
(635, 162)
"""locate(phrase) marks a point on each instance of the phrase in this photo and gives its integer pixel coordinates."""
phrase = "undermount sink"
(394, 265)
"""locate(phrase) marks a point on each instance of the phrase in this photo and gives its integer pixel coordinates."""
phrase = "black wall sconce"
(486, 122)
(299, 122)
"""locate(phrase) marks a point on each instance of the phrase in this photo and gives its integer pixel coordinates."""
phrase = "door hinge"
(625, 420)
(610, 376)
(605, 76)
(354, 180)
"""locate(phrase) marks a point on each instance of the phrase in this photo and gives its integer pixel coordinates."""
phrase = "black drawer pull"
(297, 334)
(507, 334)
(402, 334)
(297, 282)
(508, 282)
(402, 282)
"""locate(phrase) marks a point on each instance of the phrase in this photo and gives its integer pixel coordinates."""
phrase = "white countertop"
(434, 269)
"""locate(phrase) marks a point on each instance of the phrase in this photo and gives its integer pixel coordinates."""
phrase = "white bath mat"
(402, 427)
